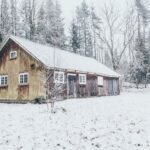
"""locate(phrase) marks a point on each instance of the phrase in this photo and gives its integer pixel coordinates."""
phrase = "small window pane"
(23, 78)
(3, 80)
(58, 77)
(82, 79)
(13, 54)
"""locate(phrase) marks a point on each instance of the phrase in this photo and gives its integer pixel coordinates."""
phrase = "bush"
(40, 100)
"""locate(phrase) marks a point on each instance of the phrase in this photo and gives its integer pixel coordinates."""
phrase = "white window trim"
(27, 76)
(81, 82)
(100, 81)
(58, 81)
(11, 54)
(2, 85)
(71, 74)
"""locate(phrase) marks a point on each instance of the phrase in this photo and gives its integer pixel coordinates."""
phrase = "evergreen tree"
(84, 31)
(4, 18)
(41, 26)
(75, 43)
(32, 19)
(95, 27)
(142, 61)
(83, 19)
(28, 19)
(24, 29)
(59, 27)
(14, 18)
(50, 17)
(140, 69)
(55, 27)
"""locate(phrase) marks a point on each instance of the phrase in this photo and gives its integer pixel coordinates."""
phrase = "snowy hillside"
(106, 123)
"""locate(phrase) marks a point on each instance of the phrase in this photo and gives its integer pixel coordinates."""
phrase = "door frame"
(70, 74)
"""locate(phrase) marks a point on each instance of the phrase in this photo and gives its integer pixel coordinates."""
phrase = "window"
(59, 77)
(3, 80)
(23, 78)
(13, 55)
(100, 81)
(82, 79)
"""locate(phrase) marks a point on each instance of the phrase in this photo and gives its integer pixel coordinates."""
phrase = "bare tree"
(116, 33)
(54, 90)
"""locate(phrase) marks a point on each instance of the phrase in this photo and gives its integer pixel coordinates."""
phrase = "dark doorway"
(110, 87)
(72, 89)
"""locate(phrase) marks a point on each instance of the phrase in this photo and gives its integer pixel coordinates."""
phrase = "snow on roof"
(63, 59)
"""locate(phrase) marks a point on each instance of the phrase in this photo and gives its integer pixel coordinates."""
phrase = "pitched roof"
(63, 59)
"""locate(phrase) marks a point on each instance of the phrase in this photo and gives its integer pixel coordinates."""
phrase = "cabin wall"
(52, 89)
(23, 63)
(91, 87)
(110, 86)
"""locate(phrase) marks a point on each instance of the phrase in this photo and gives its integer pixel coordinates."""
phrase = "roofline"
(26, 50)
(4, 43)
(84, 72)
(10, 37)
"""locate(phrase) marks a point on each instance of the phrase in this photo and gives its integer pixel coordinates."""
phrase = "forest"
(117, 39)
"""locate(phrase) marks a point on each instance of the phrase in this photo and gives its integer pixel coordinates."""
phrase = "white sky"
(68, 6)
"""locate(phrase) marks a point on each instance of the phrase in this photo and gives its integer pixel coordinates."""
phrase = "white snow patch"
(104, 123)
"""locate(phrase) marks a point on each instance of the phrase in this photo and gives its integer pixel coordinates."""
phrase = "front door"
(72, 92)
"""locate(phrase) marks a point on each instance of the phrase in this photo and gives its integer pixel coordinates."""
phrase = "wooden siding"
(23, 63)
(91, 88)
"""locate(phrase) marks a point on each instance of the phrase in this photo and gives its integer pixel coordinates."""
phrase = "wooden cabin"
(25, 66)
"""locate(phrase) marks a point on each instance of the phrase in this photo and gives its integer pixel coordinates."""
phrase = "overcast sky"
(68, 6)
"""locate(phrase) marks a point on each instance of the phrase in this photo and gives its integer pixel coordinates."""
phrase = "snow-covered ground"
(105, 123)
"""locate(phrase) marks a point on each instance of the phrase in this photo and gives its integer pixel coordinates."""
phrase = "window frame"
(58, 81)
(10, 55)
(100, 81)
(81, 76)
(5, 81)
(23, 74)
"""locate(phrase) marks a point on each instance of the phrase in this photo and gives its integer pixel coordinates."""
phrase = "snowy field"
(105, 123)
